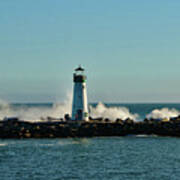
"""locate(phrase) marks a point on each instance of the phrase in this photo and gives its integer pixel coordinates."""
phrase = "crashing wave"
(163, 113)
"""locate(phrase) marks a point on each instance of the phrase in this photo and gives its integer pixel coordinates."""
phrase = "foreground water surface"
(134, 157)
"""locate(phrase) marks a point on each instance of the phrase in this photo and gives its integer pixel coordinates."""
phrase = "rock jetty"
(14, 128)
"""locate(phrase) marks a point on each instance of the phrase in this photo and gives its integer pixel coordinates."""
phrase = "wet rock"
(106, 120)
(27, 135)
(67, 117)
(100, 119)
(119, 121)
(20, 129)
(129, 121)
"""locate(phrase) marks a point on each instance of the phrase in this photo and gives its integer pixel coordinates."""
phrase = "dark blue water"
(131, 158)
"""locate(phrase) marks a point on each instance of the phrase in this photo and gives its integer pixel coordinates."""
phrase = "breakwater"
(94, 128)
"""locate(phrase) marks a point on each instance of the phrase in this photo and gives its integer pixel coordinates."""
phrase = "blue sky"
(130, 49)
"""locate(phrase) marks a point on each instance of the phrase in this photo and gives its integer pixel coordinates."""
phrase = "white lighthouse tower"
(80, 105)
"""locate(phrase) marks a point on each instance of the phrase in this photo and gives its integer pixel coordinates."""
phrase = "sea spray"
(58, 110)
(111, 113)
(34, 113)
(163, 113)
(26, 113)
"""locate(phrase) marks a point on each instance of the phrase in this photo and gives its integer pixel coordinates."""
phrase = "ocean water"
(131, 158)
(126, 158)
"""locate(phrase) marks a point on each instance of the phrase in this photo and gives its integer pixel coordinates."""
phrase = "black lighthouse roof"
(79, 68)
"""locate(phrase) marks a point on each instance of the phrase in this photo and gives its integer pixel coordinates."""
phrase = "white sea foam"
(111, 112)
(83, 141)
(46, 145)
(58, 110)
(163, 113)
(35, 113)
(3, 144)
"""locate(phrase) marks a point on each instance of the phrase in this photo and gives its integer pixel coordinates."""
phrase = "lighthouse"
(80, 105)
